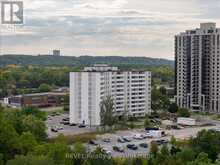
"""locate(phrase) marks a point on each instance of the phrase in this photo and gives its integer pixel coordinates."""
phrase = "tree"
(44, 88)
(27, 142)
(163, 156)
(154, 149)
(33, 111)
(183, 112)
(202, 159)
(163, 90)
(207, 142)
(160, 101)
(66, 103)
(8, 139)
(155, 96)
(125, 116)
(1, 159)
(107, 114)
(79, 149)
(173, 108)
(57, 152)
(137, 161)
(187, 154)
(147, 122)
(35, 126)
(99, 157)
(30, 160)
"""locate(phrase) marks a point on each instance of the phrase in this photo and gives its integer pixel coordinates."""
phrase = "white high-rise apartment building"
(197, 62)
(130, 91)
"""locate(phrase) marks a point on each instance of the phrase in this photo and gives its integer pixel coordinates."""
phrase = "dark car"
(92, 142)
(107, 140)
(54, 129)
(164, 141)
(143, 145)
(175, 127)
(73, 124)
(151, 129)
(161, 142)
(121, 140)
(66, 123)
(118, 149)
(132, 146)
(82, 126)
(126, 139)
(66, 119)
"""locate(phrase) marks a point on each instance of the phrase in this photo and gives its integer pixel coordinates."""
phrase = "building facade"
(130, 91)
(197, 68)
(56, 52)
(50, 99)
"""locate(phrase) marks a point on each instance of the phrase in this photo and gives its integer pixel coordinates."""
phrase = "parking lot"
(184, 133)
(127, 152)
(179, 134)
(56, 120)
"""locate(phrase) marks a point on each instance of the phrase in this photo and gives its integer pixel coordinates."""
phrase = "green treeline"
(15, 79)
(23, 141)
(49, 60)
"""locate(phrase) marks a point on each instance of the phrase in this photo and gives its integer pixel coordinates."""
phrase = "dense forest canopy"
(16, 79)
(49, 60)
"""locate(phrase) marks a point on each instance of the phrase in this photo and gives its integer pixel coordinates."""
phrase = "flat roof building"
(197, 68)
(130, 91)
(56, 52)
(49, 99)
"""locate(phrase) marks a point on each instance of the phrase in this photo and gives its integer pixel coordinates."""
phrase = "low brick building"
(50, 99)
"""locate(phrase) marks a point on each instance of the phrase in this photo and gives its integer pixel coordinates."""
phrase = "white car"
(138, 137)
(107, 151)
(59, 127)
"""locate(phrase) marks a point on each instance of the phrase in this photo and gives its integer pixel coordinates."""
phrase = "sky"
(105, 27)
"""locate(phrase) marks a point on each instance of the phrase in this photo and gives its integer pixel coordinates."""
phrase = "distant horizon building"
(197, 68)
(130, 91)
(56, 52)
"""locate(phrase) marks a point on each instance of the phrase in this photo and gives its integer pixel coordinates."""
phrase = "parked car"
(59, 128)
(132, 146)
(66, 119)
(118, 148)
(54, 129)
(164, 141)
(176, 127)
(144, 136)
(66, 123)
(138, 137)
(106, 140)
(82, 126)
(126, 139)
(92, 142)
(143, 145)
(148, 135)
(121, 140)
(106, 151)
(151, 129)
(73, 124)
(161, 142)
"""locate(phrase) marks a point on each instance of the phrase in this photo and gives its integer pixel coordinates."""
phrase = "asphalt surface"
(67, 130)
(184, 133)
(179, 134)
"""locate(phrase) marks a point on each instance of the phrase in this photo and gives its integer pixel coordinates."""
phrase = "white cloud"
(107, 27)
